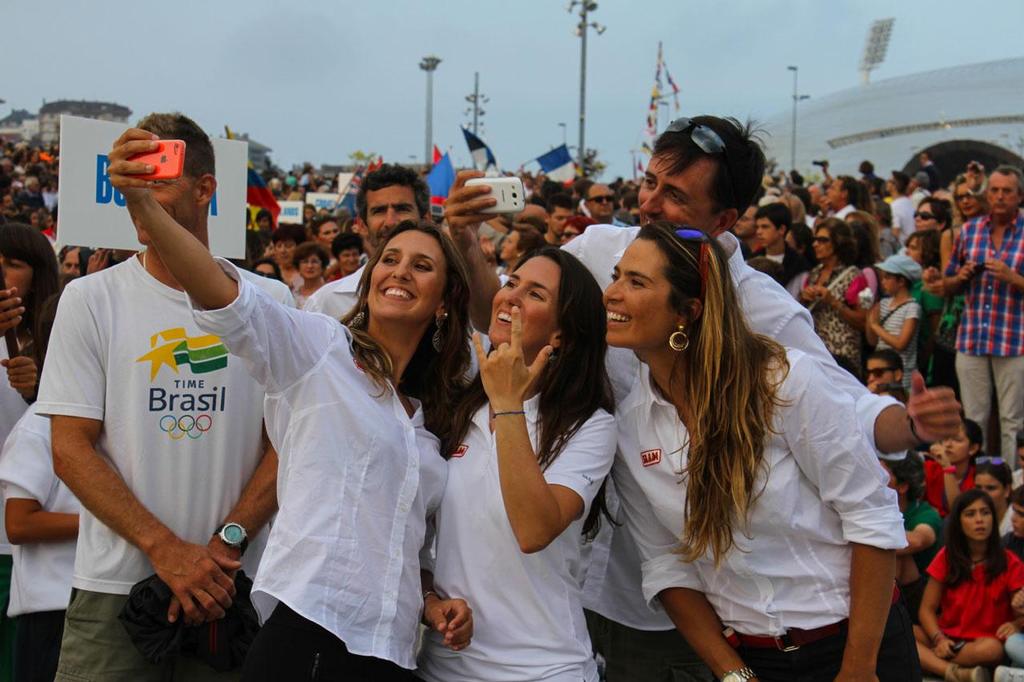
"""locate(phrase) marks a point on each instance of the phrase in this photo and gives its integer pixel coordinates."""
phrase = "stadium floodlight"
(875, 48)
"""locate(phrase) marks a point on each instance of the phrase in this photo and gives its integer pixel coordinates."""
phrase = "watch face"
(233, 534)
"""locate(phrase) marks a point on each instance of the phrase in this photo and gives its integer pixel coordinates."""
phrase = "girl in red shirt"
(950, 470)
(965, 611)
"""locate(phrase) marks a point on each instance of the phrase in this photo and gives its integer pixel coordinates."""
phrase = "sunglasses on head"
(692, 234)
(997, 461)
(924, 215)
(706, 139)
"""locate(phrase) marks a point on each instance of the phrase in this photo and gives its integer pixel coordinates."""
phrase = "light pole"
(796, 98)
(565, 140)
(582, 28)
(429, 64)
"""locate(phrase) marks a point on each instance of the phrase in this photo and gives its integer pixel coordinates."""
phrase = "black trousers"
(821, 661)
(37, 646)
(290, 647)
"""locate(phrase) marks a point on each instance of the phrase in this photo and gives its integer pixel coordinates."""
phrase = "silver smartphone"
(508, 191)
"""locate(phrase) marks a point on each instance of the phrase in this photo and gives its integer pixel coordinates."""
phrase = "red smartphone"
(168, 160)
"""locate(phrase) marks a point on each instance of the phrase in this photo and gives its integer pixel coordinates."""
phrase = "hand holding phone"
(168, 160)
(508, 192)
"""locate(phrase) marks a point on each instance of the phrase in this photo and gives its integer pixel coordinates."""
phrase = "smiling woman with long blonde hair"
(755, 498)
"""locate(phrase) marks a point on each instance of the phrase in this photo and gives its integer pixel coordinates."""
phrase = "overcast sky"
(317, 80)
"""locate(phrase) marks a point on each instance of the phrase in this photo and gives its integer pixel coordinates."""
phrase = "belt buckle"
(780, 644)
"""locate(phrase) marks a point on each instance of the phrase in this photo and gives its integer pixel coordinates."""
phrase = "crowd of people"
(703, 425)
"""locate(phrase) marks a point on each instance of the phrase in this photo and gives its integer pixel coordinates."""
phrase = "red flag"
(437, 156)
(375, 164)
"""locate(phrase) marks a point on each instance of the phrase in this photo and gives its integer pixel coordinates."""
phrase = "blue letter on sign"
(104, 190)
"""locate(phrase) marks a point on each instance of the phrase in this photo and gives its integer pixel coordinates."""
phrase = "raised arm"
(187, 258)
(462, 213)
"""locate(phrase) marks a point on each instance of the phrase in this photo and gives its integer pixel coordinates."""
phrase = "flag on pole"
(440, 179)
(483, 159)
(437, 156)
(557, 164)
(348, 196)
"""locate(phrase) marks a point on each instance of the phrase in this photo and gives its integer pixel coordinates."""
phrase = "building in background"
(19, 126)
(50, 113)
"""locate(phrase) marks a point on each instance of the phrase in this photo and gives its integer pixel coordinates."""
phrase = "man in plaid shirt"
(987, 266)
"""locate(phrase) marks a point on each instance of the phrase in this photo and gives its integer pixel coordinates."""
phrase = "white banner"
(93, 213)
(326, 200)
(291, 213)
(344, 179)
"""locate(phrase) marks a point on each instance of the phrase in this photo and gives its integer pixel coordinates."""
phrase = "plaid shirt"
(993, 318)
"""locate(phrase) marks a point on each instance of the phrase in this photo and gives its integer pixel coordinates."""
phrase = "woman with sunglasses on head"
(352, 409)
(532, 441)
(755, 498)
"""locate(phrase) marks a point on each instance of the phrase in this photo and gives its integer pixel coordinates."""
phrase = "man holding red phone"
(159, 433)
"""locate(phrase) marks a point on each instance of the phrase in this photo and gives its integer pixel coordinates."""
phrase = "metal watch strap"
(739, 675)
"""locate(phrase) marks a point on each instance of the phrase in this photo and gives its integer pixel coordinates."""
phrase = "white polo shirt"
(528, 619)
(356, 482)
(335, 299)
(612, 584)
(42, 570)
(820, 489)
(12, 406)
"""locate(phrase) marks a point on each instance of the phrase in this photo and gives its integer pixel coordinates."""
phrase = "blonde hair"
(728, 378)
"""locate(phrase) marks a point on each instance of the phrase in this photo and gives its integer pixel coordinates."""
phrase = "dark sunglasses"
(879, 371)
(707, 140)
(603, 199)
(692, 234)
(823, 240)
(924, 215)
(961, 197)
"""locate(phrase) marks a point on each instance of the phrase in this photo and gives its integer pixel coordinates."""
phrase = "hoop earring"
(436, 340)
(678, 340)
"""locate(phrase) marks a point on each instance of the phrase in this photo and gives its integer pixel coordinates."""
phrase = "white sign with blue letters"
(291, 213)
(92, 213)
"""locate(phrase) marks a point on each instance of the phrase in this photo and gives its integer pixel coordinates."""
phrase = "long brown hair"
(574, 383)
(728, 377)
(433, 377)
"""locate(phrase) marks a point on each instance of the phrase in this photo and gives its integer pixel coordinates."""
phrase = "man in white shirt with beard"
(703, 172)
(159, 433)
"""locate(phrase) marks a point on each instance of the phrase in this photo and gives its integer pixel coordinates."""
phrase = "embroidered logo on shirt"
(460, 451)
(650, 457)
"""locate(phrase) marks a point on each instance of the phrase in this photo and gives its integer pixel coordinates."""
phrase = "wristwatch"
(740, 675)
(233, 535)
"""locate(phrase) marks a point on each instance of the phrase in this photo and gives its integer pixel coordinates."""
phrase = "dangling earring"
(678, 340)
(358, 319)
(437, 339)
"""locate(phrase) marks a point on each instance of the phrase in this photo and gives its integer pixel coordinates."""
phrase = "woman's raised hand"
(124, 173)
(506, 378)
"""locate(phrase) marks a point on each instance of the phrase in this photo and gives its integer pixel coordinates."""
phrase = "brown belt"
(793, 638)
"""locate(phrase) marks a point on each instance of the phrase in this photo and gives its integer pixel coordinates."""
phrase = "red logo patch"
(460, 451)
(650, 457)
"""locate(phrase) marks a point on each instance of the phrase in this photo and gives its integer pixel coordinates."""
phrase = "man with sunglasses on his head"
(703, 172)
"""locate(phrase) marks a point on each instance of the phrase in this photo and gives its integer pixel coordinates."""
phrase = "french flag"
(483, 159)
(557, 164)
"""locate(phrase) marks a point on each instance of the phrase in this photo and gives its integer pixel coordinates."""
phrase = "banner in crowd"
(291, 213)
(327, 200)
(93, 213)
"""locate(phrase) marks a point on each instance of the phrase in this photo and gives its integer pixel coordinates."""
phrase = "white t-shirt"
(12, 406)
(612, 585)
(42, 570)
(356, 482)
(182, 419)
(903, 216)
(528, 619)
(336, 298)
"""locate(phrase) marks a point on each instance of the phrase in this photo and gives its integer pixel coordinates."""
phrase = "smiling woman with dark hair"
(532, 442)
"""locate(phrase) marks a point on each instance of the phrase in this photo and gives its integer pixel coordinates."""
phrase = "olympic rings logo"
(186, 426)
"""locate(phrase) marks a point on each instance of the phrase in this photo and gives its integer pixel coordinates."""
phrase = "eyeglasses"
(692, 234)
(877, 372)
(924, 215)
(708, 141)
(823, 240)
(603, 199)
(998, 461)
